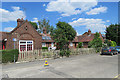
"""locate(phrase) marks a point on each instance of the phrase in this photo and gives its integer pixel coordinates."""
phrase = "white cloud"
(35, 20)
(97, 10)
(44, 5)
(59, 18)
(73, 18)
(107, 20)
(8, 29)
(96, 25)
(11, 15)
(73, 7)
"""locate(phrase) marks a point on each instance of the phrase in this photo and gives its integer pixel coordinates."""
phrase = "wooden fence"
(37, 54)
(41, 54)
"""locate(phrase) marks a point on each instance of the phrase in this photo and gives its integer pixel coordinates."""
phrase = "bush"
(67, 53)
(44, 47)
(113, 43)
(62, 53)
(8, 55)
(80, 45)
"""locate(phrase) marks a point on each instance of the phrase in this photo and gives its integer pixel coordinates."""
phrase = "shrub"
(44, 47)
(113, 43)
(62, 53)
(8, 55)
(67, 53)
(80, 45)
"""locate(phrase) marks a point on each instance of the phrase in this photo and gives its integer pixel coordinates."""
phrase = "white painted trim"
(26, 43)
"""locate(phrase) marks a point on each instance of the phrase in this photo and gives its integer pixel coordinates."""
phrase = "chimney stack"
(19, 21)
(89, 32)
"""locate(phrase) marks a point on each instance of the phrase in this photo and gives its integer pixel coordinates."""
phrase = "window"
(25, 45)
(71, 44)
(43, 44)
(46, 38)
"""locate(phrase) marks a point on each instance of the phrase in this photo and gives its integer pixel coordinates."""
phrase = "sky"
(82, 16)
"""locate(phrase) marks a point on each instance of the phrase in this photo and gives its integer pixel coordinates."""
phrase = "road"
(80, 66)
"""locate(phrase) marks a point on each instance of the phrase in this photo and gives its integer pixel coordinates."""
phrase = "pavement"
(79, 66)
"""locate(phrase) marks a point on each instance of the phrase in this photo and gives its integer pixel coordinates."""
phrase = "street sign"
(14, 39)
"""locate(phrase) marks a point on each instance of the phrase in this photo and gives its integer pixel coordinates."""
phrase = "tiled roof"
(46, 40)
(86, 38)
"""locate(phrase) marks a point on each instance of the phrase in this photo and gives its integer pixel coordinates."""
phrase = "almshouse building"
(24, 37)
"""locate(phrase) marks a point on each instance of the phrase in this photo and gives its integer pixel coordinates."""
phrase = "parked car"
(118, 48)
(109, 50)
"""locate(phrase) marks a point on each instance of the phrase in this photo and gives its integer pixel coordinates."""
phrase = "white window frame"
(25, 43)
(44, 44)
(71, 44)
(52, 44)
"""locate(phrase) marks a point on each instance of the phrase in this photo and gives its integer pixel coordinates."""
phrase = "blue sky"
(82, 16)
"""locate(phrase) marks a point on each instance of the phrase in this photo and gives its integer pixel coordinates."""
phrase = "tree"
(113, 33)
(96, 42)
(34, 25)
(113, 43)
(45, 24)
(80, 44)
(62, 35)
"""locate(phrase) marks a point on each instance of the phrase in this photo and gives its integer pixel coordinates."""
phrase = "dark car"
(109, 50)
(118, 48)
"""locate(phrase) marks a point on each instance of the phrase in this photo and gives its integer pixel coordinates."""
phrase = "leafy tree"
(62, 34)
(45, 23)
(113, 43)
(107, 42)
(34, 25)
(113, 33)
(80, 44)
(96, 42)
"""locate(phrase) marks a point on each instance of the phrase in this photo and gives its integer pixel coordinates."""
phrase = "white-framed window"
(71, 44)
(25, 45)
(43, 44)
(52, 44)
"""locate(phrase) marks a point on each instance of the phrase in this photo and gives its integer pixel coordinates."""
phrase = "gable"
(26, 28)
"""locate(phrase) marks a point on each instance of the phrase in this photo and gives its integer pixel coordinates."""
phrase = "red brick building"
(47, 41)
(24, 37)
(85, 38)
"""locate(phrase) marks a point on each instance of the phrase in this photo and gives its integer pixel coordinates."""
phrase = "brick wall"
(24, 32)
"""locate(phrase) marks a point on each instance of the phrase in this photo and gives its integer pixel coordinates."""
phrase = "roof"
(86, 38)
(46, 37)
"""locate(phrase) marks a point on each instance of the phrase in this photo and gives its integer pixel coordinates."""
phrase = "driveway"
(80, 66)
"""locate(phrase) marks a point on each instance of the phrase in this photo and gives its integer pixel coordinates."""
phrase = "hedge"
(44, 47)
(8, 55)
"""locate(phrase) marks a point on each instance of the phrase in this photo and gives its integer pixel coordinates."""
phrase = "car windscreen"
(111, 48)
(117, 47)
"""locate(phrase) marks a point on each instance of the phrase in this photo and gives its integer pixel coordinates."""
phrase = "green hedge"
(8, 55)
(44, 47)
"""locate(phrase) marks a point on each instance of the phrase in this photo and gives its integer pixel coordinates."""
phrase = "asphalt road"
(80, 66)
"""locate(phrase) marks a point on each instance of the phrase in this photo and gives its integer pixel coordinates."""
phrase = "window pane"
(29, 47)
(29, 42)
(22, 47)
(22, 42)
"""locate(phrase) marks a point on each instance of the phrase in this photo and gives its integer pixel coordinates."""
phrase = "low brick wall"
(39, 54)
(82, 51)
